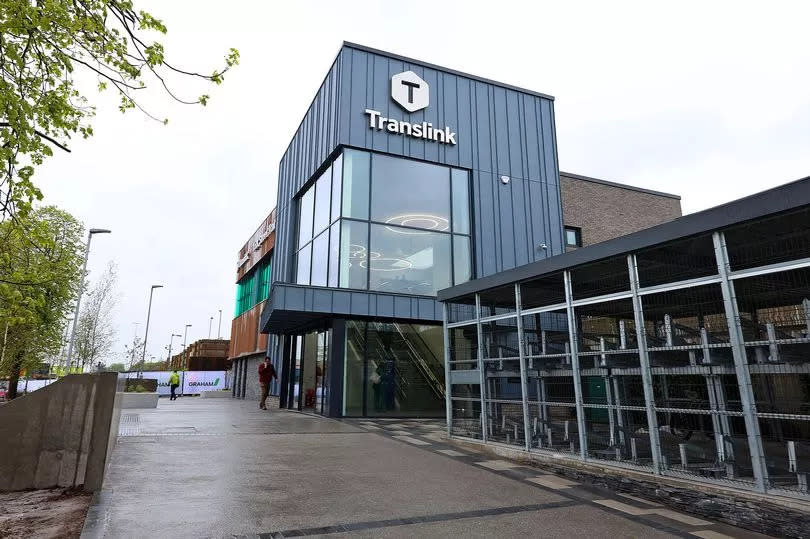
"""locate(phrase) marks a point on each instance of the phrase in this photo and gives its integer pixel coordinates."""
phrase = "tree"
(95, 332)
(118, 367)
(44, 46)
(133, 352)
(41, 258)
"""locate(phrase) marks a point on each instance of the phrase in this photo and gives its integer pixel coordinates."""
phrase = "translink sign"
(412, 94)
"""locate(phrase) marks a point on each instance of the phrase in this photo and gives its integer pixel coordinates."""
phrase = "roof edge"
(779, 199)
(437, 67)
(620, 185)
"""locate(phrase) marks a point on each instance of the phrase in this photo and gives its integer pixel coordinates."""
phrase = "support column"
(747, 400)
(481, 374)
(644, 364)
(448, 393)
(524, 375)
(574, 346)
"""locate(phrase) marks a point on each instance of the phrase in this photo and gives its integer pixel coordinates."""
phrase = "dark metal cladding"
(501, 131)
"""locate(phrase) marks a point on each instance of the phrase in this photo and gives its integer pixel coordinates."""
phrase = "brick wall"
(605, 210)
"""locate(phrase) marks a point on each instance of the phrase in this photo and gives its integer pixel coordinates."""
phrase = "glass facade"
(403, 227)
(393, 369)
(254, 287)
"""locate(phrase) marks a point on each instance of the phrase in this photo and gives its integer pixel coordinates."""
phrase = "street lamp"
(185, 351)
(210, 321)
(81, 289)
(148, 314)
(219, 327)
(169, 357)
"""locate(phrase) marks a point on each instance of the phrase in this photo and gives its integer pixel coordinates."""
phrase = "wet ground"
(222, 468)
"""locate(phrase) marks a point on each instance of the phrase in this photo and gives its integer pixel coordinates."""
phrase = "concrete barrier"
(139, 400)
(61, 435)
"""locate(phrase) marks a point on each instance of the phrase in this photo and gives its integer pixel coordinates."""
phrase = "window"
(355, 184)
(409, 193)
(353, 251)
(254, 287)
(397, 225)
(573, 236)
(408, 261)
(323, 188)
(320, 252)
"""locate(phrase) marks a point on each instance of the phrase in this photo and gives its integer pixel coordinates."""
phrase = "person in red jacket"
(266, 373)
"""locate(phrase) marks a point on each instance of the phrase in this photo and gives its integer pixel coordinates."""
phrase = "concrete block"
(139, 400)
(54, 432)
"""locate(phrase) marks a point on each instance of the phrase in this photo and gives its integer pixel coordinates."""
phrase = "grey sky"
(709, 100)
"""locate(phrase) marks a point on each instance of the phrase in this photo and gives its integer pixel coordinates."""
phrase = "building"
(403, 178)
(597, 210)
(248, 346)
(681, 350)
(203, 355)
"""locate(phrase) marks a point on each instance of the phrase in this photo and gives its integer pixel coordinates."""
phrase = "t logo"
(410, 91)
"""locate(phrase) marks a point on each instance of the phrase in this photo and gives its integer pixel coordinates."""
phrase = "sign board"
(191, 382)
(195, 382)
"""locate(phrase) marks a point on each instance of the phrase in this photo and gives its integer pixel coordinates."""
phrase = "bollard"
(566, 431)
(490, 425)
(791, 447)
(503, 422)
(633, 450)
(571, 445)
(684, 461)
(535, 426)
(618, 452)
(516, 433)
(550, 444)
(508, 441)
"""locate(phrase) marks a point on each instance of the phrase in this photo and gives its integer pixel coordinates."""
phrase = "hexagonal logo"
(410, 91)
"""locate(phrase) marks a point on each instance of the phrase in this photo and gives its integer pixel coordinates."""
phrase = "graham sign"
(412, 94)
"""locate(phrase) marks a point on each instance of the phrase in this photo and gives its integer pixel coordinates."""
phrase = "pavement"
(223, 468)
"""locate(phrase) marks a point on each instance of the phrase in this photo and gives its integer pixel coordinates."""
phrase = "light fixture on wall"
(504, 179)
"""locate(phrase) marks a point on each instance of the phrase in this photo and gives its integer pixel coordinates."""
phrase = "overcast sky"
(710, 100)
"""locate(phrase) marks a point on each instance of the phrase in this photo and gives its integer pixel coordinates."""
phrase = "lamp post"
(185, 350)
(219, 327)
(148, 315)
(210, 321)
(169, 357)
(81, 289)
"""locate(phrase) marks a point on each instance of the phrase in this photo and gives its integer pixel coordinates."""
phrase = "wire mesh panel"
(697, 399)
(599, 278)
(498, 301)
(462, 309)
(612, 389)
(463, 347)
(775, 317)
(550, 389)
(502, 390)
(768, 241)
(543, 291)
(466, 418)
(680, 260)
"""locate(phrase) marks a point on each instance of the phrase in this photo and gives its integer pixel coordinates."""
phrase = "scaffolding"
(687, 359)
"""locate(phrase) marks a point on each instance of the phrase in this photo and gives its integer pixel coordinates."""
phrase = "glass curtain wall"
(393, 369)
(309, 385)
(376, 222)
(689, 359)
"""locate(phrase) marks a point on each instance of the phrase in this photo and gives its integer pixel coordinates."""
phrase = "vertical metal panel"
(500, 132)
